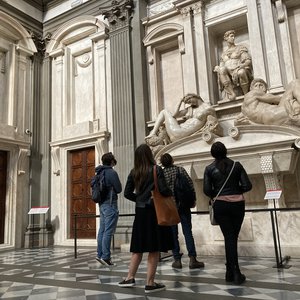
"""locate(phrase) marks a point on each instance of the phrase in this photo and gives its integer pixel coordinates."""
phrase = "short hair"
(166, 160)
(227, 33)
(218, 150)
(255, 80)
(108, 158)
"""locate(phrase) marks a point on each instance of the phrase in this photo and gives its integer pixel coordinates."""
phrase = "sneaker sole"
(155, 290)
(104, 263)
(99, 261)
(126, 285)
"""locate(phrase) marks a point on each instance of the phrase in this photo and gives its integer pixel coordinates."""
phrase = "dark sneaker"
(98, 259)
(195, 264)
(106, 262)
(154, 288)
(127, 283)
(177, 264)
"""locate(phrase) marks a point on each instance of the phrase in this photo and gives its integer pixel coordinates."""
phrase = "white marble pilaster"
(255, 39)
(57, 93)
(285, 39)
(272, 51)
(100, 75)
(201, 54)
(188, 57)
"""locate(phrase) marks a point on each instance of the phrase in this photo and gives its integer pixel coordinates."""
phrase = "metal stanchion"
(280, 263)
(75, 236)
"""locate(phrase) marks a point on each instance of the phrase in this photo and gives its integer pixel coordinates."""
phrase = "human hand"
(216, 69)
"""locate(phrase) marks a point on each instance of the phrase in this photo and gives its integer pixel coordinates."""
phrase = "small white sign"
(38, 210)
(273, 194)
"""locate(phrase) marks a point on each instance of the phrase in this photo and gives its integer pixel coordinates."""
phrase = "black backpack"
(99, 188)
(184, 194)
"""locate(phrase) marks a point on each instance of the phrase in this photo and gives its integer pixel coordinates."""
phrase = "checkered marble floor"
(54, 273)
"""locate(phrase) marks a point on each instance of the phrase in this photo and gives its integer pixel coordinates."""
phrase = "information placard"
(38, 210)
(273, 194)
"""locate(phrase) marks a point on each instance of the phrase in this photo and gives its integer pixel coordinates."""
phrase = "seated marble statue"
(235, 68)
(265, 108)
(196, 115)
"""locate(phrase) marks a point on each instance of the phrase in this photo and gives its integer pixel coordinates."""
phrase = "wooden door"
(3, 172)
(82, 169)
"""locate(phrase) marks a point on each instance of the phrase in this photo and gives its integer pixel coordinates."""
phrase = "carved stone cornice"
(118, 14)
(41, 42)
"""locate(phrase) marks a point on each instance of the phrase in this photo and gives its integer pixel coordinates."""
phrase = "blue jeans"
(109, 215)
(186, 225)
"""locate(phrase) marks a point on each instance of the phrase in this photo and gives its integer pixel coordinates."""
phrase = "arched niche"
(79, 58)
(75, 30)
(13, 31)
(165, 46)
(16, 49)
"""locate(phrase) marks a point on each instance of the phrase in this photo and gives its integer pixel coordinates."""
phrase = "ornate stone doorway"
(82, 168)
(3, 170)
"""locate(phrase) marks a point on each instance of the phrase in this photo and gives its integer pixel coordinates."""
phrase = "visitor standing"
(147, 235)
(229, 207)
(109, 212)
(170, 172)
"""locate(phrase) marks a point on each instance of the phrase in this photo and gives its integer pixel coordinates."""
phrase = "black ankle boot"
(229, 273)
(238, 277)
(229, 276)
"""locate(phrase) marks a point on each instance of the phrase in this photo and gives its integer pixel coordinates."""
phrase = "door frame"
(60, 187)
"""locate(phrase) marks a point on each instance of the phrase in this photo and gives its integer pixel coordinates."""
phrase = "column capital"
(188, 7)
(118, 14)
(41, 42)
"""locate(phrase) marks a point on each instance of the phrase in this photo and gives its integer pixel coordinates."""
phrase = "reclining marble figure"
(265, 108)
(196, 116)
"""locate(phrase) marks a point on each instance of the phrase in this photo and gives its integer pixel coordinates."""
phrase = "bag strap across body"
(155, 178)
(214, 199)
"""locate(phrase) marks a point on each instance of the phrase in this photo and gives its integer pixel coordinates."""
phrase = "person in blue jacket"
(109, 212)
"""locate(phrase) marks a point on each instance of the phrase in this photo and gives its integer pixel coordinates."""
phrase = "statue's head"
(258, 80)
(228, 33)
(192, 99)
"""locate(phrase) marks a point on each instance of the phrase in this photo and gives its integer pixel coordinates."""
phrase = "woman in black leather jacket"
(229, 207)
(147, 235)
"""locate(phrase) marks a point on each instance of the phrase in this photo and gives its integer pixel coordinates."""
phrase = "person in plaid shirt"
(170, 171)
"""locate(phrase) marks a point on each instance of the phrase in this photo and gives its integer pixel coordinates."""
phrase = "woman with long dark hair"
(229, 207)
(147, 235)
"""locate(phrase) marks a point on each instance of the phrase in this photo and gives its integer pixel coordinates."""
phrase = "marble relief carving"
(82, 61)
(160, 7)
(192, 115)
(265, 108)
(235, 68)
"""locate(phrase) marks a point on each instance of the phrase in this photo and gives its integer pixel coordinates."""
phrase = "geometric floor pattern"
(54, 273)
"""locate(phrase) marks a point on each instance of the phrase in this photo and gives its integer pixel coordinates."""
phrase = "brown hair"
(143, 159)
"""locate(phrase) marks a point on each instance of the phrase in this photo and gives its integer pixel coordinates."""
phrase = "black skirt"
(147, 235)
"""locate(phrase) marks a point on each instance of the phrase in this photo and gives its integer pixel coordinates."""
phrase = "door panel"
(82, 169)
(3, 173)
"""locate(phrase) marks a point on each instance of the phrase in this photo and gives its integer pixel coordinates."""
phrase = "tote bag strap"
(155, 177)
(214, 199)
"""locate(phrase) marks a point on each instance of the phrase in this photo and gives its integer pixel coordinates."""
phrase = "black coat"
(238, 182)
(144, 196)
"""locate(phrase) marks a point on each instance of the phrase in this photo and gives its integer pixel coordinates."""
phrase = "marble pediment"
(245, 143)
